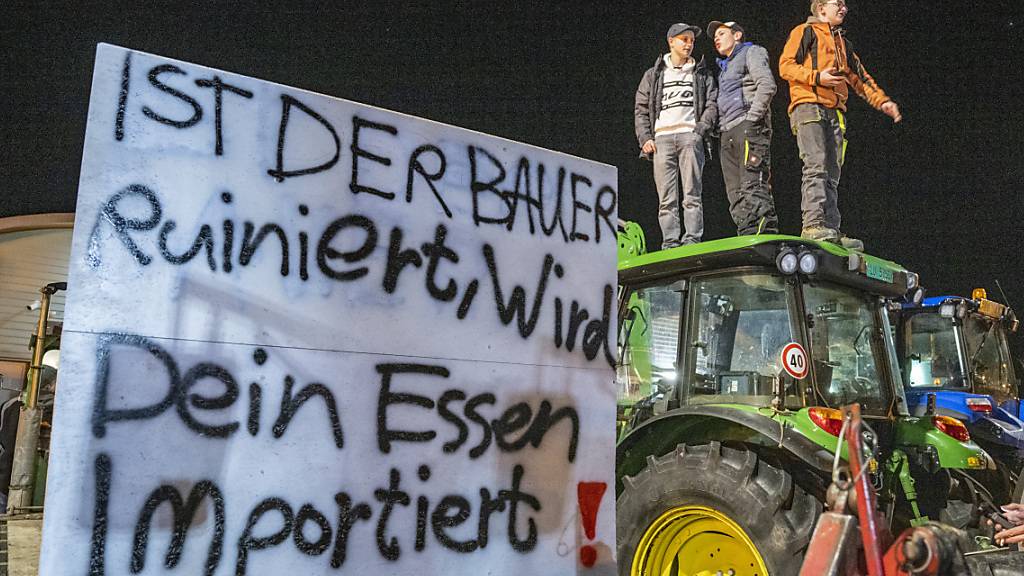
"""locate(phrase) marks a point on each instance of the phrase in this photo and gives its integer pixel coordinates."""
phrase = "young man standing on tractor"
(745, 91)
(675, 106)
(820, 65)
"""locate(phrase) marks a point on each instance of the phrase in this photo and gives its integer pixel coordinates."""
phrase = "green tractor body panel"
(801, 421)
(952, 453)
(631, 241)
(750, 425)
(737, 423)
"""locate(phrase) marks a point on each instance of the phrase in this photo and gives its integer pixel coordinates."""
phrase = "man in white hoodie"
(676, 104)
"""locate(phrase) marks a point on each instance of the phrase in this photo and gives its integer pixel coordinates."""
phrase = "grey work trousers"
(745, 151)
(821, 136)
(678, 167)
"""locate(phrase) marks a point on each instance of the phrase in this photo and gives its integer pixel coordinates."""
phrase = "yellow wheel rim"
(696, 541)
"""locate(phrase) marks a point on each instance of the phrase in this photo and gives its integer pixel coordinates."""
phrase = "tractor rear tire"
(710, 507)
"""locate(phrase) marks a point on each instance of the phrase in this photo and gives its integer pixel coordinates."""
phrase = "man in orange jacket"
(820, 65)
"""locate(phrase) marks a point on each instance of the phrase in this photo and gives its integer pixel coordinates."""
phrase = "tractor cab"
(758, 337)
(956, 344)
(759, 323)
(956, 362)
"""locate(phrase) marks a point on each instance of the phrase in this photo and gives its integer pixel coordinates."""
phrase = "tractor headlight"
(787, 261)
(808, 263)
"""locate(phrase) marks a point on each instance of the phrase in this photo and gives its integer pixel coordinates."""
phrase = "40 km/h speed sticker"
(794, 360)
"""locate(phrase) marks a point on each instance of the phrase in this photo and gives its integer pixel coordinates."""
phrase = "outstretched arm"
(866, 87)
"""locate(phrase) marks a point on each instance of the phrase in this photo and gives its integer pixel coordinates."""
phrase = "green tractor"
(734, 358)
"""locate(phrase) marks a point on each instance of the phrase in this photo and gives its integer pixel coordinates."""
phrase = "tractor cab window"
(740, 325)
(847, 346)
(989, 358)
(646, 374)
(932, 353)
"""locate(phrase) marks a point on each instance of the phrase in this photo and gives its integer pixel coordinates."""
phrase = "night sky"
(940, 192)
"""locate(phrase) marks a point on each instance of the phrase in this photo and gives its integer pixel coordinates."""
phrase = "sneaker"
(820, 233)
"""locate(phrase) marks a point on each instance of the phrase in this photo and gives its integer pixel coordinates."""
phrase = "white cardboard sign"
(309, 336)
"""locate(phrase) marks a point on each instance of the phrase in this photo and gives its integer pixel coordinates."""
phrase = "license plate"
(879, 272)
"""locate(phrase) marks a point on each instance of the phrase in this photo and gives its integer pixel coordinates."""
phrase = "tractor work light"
(808, 263)
(916, 296)
(952, 427)
(787, 261)
(828, 419)
(947, 310)
(913, 280)
(853, 262)
(979, 405)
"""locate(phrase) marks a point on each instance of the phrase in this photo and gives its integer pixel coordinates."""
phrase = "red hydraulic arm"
(928, 550)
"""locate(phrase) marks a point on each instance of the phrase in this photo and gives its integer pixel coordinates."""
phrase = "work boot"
(850, 243)
(820, 233)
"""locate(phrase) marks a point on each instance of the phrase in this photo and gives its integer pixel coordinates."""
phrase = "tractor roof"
(982, 306)
(836, 263)
(939, 300)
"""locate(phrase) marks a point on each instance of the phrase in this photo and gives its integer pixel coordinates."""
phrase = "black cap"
(679, 28)
(715, 25)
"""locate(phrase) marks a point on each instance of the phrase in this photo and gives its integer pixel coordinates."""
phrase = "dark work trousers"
(747, 170)
(821, 137)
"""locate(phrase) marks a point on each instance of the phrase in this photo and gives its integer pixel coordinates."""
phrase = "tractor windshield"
(933, 353)
(989, 357)
(741, 323)
(847, 346)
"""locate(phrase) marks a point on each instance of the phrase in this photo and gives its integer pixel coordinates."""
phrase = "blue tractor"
(956, 361)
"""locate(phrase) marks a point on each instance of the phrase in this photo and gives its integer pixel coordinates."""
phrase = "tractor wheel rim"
(696, 540)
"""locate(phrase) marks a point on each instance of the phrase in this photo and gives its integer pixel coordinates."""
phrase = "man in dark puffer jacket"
(745, 91)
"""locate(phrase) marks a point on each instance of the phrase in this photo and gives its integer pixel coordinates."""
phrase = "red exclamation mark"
(589, 495)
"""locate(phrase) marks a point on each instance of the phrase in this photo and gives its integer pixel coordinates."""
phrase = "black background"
(940, 192)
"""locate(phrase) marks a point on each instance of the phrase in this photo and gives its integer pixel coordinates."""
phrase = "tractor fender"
(699, 424)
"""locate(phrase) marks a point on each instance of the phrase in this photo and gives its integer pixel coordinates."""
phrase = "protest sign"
(311, 335)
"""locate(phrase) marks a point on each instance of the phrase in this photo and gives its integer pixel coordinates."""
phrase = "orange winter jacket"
(814, 46)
